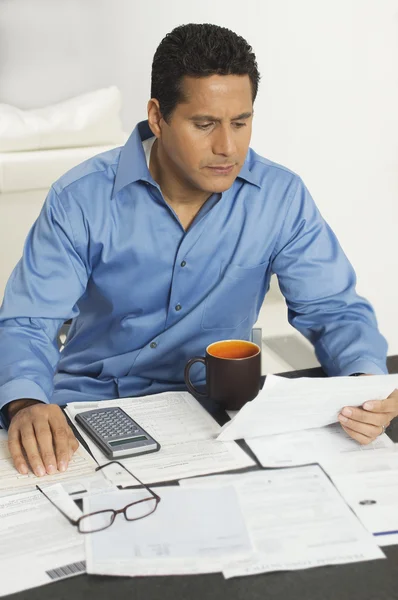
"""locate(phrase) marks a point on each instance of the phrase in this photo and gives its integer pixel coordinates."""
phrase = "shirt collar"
(133, 166)
(132, 162)
(246, 174)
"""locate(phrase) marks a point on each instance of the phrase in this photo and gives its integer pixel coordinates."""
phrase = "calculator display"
(139, 438)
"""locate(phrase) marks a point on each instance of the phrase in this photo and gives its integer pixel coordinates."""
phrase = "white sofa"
(36, 147)
(25, 178)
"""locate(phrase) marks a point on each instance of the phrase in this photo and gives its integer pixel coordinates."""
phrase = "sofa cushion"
(91, 119)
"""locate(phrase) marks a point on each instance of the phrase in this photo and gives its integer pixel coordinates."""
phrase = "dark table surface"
(372, 580)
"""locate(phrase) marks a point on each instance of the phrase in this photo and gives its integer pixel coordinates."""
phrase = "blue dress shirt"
(108, 252)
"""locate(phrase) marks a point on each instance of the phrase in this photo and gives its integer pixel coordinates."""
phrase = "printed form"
(296, 519)
(192, 531)
(184, 429)
(318, 445)
(369, 484)
(79, 478)
(38, 544)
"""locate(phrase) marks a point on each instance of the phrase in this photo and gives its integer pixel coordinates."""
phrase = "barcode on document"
(67, 570)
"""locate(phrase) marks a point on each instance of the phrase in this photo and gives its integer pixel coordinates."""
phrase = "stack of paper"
(296, 404)
(186, 432)
(296, 519)
(306, 411)
(239, 524)
(38, 545)
(366, 476)
(187, 435)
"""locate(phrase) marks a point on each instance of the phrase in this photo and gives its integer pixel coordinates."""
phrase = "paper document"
(385, 459)
(90, 484)
(191, 531)
(369, 483)
(80, 474)
(310, 446)
(61, 498)
(38, 544)
(293, 404)
(183, 428)
(296, 520)
(374, 498)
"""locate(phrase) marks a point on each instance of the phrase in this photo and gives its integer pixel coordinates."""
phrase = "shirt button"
(153, 345)
(183, 263)
(178, 307)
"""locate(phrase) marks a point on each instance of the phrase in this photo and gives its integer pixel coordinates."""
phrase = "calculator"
(116, 433)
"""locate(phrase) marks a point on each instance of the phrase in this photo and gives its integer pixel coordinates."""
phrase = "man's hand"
(365, 423)
(42, 433)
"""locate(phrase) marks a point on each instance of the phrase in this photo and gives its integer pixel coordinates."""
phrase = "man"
(161, 247)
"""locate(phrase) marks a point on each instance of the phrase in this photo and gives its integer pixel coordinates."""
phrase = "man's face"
(209, 131)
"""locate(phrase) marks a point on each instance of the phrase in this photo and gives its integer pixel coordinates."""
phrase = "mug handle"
(187, 378)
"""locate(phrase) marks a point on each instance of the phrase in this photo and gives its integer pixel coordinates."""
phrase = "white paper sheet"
(80, 474)
(38, 545)
(374, 498)
(183, 428)
(90, 484)
(310, 446)
(373, 476)
(296, 519)
(384, 460)
(192, 531)
(61, 498)
(294, 404)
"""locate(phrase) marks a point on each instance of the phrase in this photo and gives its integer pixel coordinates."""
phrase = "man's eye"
(203, 127)
(239, 125)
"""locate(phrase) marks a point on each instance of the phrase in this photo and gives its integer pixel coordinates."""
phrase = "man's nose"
(223, 142)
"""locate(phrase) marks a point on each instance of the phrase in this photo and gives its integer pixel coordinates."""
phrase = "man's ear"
(155, 118)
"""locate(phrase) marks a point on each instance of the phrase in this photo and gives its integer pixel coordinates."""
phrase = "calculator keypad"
(112, 424)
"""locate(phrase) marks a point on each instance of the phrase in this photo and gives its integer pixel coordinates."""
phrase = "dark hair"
(198, 50)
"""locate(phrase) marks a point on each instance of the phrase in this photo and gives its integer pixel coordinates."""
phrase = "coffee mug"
(233, 372)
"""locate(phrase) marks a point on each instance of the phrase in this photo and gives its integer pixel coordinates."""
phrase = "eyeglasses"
(102, 519)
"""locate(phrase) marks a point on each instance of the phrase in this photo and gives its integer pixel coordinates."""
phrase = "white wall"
(327, 106)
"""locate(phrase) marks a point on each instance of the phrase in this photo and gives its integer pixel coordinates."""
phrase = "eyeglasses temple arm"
(116, 462)
(71, 521)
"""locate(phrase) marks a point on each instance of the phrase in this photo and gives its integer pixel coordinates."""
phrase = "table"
(373, 580)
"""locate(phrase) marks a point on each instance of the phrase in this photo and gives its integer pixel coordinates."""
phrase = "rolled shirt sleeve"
(40, 295)
(318, 283)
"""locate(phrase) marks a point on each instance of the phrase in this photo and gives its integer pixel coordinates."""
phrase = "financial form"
(369, 484)
(318, 445)
(186, 432)
(296, 519)
(79, 478)
(192, 531)
(38, 544)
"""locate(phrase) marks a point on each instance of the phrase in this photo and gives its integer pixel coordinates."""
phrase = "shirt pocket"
(234, 298)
